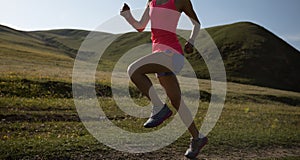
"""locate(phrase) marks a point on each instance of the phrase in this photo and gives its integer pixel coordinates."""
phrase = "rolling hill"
(251, 54)
(254, 55)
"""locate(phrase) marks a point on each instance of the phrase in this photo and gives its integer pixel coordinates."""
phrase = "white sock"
(201, 135)
(155, 100)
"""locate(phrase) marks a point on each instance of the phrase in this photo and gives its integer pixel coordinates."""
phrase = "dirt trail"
(168, 154)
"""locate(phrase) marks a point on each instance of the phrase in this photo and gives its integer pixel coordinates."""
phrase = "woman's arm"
(138, 25)
(189, 11)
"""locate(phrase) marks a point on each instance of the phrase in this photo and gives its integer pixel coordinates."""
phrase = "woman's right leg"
(154, 63)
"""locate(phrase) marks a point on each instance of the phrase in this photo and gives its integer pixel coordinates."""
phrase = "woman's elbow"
(197, 25)
(140, 29)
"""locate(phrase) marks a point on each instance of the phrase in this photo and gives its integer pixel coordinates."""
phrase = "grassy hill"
(254, 55)
(251, 54)
(38, 54)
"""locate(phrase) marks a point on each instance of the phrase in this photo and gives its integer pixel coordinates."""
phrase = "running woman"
(166, 60)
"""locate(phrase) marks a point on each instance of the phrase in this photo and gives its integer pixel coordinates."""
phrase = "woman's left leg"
(170, 83)
(172, 88)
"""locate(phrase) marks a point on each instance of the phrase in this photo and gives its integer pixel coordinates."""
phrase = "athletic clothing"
(166, 49)
(174, 61)
(164, 20)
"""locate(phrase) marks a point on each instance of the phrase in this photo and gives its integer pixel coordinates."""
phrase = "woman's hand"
(188, 47)
(124, 11)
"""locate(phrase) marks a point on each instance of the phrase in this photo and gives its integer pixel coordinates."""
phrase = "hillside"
(254, 55)
(251, 54)
(38, 54)
(65, 42)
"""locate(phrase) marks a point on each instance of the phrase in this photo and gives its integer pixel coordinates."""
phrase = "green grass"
(49, 128)
(39, 120)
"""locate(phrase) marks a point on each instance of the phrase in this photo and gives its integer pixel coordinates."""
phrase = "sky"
(279, 16)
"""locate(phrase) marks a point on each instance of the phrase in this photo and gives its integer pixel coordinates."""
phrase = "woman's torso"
(164, 20)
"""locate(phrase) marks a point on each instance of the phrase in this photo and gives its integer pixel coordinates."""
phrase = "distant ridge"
(251, 53)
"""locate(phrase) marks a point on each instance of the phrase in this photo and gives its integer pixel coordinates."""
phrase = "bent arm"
(189, 11)
(138, 25)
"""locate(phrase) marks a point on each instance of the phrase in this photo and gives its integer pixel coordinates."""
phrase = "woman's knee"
(131, 69)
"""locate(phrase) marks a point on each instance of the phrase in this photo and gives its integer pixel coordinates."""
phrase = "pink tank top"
(164, 21)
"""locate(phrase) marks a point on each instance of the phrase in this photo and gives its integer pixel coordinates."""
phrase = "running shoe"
(158, 118)
(195, 147)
